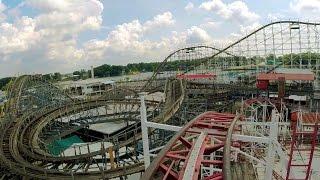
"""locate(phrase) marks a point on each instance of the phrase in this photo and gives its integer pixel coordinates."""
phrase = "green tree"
(57, 76)
(4, 82)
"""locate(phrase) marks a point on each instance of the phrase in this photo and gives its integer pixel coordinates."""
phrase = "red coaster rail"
(184, 155)
(297, 136)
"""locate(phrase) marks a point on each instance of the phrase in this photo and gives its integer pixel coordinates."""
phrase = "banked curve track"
(30, 110)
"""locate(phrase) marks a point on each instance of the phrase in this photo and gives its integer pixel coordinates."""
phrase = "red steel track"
(297, 135)
(208, 135)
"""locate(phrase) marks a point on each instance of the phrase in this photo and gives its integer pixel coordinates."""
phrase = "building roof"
(311, 118)
(293, 71)
(85, 82)
(287, 76)
(297, 98)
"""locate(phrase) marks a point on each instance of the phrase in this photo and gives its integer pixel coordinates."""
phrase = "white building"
(86, 87)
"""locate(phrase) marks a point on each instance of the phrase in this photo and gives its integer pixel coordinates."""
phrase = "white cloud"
(213, 5)
(244, 30)
(275, 16)
(65, 50)
(236, 11)
(49, 41)
(128, 36)
(189, 6)
(49, 5)
(3, 7)
(248, 29)
(165, 19)
(19, 36)
(212, 25)
(81, 6)
(128, 41)
(306, 9)
(197, 35)
(68, 17)
(301, 6)
(48, 38)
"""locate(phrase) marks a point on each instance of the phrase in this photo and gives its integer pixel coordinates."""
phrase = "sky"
(46, 36)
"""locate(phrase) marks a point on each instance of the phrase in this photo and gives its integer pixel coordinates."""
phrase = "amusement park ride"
(247, 111)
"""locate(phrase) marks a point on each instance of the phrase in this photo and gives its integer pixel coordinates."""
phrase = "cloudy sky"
(43, 36)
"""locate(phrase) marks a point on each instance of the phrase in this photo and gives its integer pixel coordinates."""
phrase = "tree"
(83, 74)
(47, 77)
(4, 82)
(57, 76)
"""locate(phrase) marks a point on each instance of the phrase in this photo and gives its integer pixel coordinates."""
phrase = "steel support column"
(273, 137)
(144, 129)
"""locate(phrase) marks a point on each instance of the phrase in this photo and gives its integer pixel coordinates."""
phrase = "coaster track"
(24, 141)
(36, 111)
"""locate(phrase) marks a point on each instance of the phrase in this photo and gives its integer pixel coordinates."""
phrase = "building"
(86, 87)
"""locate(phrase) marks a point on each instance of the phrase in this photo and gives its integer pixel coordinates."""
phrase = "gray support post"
(273, 137)
(144, 129)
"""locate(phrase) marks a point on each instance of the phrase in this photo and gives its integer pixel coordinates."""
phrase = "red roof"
(310, 117)
(307, 117)
(196, 76)
(288, 76)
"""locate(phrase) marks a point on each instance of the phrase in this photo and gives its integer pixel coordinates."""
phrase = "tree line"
(4, 82)
(107, 70)
(118, 70)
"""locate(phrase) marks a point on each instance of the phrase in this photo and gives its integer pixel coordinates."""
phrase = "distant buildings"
(86, 87)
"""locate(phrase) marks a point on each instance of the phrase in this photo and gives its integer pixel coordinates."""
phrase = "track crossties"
(38, 114)
(193, 150)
